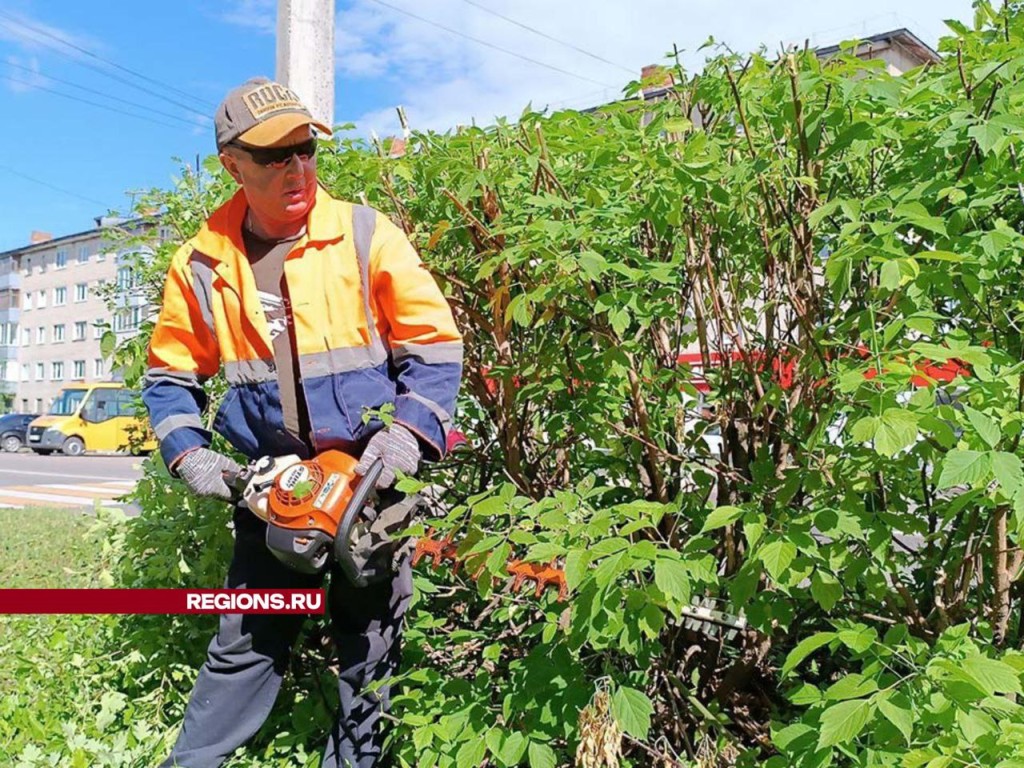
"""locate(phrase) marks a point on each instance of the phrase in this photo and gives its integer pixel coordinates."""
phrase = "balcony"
(10, 281)
(8, 387)
(8, 352)
(9, 315)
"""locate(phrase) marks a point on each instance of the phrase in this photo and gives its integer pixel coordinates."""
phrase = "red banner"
(296, 601)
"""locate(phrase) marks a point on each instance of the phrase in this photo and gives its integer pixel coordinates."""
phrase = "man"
(320, 313)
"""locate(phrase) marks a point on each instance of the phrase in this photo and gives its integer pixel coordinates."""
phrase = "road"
(73, 482)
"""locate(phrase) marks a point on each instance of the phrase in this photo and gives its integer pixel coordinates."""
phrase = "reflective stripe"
(441, 352)
(202, 287)
(249, 371)
(342, 360)
(171, 423)
(364, 222)
(180, 378)
(437, 410)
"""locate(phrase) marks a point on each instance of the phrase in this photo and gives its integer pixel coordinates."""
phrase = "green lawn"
(45, 548)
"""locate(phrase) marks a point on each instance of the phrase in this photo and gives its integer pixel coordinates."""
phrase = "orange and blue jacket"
(371, 327)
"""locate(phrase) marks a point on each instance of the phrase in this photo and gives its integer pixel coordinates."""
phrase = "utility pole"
(305, 53)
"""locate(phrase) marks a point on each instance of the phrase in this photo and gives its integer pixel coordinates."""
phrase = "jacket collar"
(221, 236)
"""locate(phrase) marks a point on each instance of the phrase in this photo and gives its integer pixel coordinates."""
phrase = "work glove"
(397, 447)
(203, 472)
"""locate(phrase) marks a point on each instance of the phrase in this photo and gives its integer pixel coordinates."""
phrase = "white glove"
(203, 472)
(397, 447)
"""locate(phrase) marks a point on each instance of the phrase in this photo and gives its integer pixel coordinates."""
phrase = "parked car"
(14, 430)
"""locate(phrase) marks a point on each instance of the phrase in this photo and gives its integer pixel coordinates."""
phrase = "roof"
(47, 244)
(901, 36)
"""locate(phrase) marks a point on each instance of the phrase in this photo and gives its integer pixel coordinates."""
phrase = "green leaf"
(576, 566)
(852, 686)
(777, 557)
(890, 275)
(472, 753)
(513, 746)
(826, 590)
(632, 711)
(984, 425)
(841, 723)
(541, 755)
(805, 648)
(672, 579)
(859, 638)
(1008, 471)
(964, 467)
(897, 429)
(991, 675)
(721, 517)
(897, 710)
(987, 135)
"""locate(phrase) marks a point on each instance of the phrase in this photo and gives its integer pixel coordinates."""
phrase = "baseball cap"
(260, 113)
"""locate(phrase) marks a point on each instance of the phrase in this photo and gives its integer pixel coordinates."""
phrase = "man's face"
(276, 196)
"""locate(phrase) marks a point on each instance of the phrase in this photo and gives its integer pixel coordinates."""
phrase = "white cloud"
(22, 74)
(33, 38)
(443, 79)
(260, 15)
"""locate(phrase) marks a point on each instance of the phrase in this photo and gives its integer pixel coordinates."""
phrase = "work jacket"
(371, 327)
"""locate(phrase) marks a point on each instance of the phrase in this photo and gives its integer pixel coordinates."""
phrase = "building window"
(80, 330)
(83, 254)
(58, 333)
(40, 335)
(39, 405)
(60, 296)
(24, 405)
(28, 299)
(125, 278)
(40, 375)
(8, 334)
(57, 371)
(128, 319)
(81, 292)
(26, 372)
(41, 299)
(26, 336)
(97, 329)
(101, 256)
(62, 258)
(97, 368)
(79, 372)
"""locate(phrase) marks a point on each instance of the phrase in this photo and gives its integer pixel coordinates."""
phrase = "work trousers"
(239, 681)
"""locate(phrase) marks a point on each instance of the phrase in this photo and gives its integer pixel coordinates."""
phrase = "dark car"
(13, 427)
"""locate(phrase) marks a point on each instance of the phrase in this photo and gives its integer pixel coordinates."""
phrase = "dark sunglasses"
(278, 157)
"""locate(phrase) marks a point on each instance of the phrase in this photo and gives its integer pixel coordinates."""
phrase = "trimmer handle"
(364, 486)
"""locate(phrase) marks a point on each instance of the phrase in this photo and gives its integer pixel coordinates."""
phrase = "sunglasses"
(278, 157)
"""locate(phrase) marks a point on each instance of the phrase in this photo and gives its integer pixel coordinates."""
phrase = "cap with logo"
(260, 113)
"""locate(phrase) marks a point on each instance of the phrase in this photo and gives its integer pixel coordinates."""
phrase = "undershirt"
(267, 257)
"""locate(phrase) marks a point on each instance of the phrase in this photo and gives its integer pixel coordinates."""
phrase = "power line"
(491, 45)
(104, 95)
(111, 75)
(547, 36)
(38, 30)
(34, 180)
(107, 107)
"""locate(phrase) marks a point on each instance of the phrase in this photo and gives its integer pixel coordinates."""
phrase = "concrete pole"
(305, 53)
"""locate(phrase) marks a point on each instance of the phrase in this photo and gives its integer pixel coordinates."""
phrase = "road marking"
(109, 490)
(93, 478)
(7, 495)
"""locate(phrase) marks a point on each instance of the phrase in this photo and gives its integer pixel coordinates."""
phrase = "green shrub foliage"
(836, 457)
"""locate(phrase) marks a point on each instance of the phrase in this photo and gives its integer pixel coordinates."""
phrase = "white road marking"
(110, 490)
(93, 478)
(78, 501)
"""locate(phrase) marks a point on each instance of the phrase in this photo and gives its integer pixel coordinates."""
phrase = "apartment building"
(53, 317)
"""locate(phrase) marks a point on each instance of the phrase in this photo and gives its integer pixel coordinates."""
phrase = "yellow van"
(90, 417)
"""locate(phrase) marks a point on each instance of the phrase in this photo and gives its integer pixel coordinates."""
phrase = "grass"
(46, 548)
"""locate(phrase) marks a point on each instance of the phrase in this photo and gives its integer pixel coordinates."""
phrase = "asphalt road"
(78, 482)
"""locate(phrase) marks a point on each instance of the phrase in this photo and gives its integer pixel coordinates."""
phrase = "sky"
(168, 64)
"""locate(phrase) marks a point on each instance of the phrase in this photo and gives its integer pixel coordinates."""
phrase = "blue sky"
(384, 57)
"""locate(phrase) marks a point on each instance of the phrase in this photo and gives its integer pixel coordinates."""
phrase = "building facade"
(53, 316)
